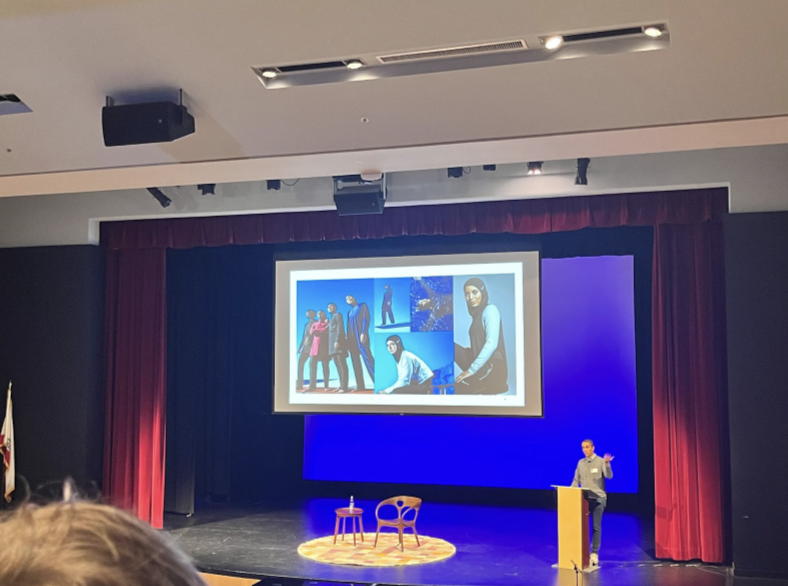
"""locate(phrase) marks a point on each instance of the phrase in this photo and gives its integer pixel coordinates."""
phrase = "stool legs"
(359, 529)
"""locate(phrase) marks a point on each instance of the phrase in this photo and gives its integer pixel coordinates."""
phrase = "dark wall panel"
(51, 338)
(756, 249)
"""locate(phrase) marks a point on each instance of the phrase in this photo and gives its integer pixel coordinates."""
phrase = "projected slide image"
(405, 333)
(392, 303)
(342, 335)
(415, 363)
(485, 321)
(335, 336)
(431, 306)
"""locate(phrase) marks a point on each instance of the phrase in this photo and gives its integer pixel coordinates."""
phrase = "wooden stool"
(343, 514)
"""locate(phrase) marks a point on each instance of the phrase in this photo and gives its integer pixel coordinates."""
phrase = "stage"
(496, 546)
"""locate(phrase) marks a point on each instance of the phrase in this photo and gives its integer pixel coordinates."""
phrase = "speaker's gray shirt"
(591, 473)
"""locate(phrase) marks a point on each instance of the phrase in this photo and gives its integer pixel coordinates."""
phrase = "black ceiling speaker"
(356, 196)
(145, 123)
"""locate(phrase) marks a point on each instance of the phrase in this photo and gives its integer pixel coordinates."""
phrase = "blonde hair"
(86, 544)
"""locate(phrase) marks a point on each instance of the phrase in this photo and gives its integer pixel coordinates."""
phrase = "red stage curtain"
(690, 412)
(537, 216)
(136, 323)
(690, 387)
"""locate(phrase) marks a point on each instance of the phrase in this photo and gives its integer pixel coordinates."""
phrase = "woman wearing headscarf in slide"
(319, 351)
(414, 377)
(484, 367)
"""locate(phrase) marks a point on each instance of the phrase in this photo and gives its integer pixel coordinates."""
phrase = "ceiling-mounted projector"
(354, 195)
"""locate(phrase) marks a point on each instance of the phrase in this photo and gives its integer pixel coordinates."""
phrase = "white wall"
(757, 177)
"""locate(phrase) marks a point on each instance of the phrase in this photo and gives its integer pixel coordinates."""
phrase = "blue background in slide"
(588, 353)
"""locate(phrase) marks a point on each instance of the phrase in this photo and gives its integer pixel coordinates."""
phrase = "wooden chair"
(405, 505)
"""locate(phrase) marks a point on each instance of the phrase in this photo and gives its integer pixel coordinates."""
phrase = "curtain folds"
(689, 386)
(689, 392)
(136, 335)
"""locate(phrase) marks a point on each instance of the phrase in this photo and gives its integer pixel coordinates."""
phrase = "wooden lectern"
(573, 529)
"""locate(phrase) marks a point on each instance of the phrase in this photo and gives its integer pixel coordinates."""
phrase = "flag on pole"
(7, 449)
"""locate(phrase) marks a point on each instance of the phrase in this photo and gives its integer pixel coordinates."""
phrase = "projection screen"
(454, 334)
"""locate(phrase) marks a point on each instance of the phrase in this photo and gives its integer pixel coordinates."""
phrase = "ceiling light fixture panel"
(556, 46)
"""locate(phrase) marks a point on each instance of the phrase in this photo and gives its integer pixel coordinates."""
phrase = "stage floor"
(496, 546)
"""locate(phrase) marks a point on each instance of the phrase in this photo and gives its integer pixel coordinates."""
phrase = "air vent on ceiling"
(310, 66)
(465, 50)
(608, 34)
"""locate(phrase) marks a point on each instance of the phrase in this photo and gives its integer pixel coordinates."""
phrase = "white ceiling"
(62, 57)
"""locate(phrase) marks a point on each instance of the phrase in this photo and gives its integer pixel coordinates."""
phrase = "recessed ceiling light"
(653, 31)
(552, 43)
(535, 168)
(354, 64)
(269, 73)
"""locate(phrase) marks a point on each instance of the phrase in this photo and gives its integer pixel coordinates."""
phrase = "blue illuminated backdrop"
(588, 341)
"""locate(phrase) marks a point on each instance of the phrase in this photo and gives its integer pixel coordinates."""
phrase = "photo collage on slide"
(443, 335)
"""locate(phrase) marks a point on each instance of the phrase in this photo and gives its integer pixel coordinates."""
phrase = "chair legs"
(400, 537)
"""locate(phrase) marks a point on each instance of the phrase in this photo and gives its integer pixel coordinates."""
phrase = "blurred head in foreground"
(86, 544)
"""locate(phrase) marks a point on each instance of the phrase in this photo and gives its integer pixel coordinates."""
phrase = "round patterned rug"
(387, 552)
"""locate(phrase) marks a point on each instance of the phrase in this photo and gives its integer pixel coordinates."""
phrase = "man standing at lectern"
(591, 473)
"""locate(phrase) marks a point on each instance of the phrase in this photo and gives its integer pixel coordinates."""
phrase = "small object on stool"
(343, 514)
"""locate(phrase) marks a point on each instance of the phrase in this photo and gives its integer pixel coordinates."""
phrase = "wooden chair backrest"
(403, 504)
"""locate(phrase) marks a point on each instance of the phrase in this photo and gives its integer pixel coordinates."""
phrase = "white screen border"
(523, 265)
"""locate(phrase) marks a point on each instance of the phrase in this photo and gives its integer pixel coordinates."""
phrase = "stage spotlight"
(207, 188)
(159, 196)
(653, 31)
(553, 43)
(535, 168)
(454, 172)
(488, 167)
(273, 184)
(582, 171)
(354, 64)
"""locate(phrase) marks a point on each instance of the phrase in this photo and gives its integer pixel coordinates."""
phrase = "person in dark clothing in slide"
(304, 348)
(336, 345)
(484, 367)
(358, 346)
(386, 309)
(319, 351)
